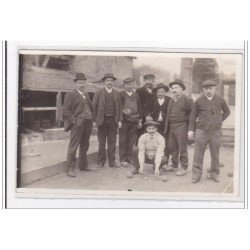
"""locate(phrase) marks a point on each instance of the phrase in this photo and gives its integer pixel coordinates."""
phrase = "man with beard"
(78, 118)
(107, 113)
(176, 123)
(208, 113)
(146, 93)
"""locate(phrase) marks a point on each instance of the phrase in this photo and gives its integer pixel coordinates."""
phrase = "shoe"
(135, 171)
(172, 167)
(71, 173)
(124, 164)
(113, 165)
(181, 172)
(214, 177)
(100, 166)
(196, 179)
(89, 169)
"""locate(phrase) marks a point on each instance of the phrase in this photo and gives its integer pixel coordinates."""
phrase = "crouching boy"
(150, 149)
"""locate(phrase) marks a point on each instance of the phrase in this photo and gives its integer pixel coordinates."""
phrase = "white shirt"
(153, 147)
(209, 98)
(81, 93)
(129, 93)
(108, 90)
(160, 101)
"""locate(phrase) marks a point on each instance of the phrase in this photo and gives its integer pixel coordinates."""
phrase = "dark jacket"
(188, 107)
(208, 114)
(136, 97)
(99, 106)
(145, 97)
(154, 108)
(73, 106)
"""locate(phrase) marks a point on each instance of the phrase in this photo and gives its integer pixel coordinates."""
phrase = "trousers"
(107, 132)
(202, 139)
(79, 136)
(136, 162)
(178, 144)
(127, 139)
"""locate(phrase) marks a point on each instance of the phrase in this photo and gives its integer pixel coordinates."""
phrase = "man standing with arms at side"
(146, 93)
(77, 114)
(177, 121)
(132, 119)
(208, 113)
(107, 112)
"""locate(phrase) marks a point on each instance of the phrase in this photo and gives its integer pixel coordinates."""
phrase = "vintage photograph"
(149, 124)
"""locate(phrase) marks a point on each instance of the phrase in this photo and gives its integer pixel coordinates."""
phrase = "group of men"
(153, 127)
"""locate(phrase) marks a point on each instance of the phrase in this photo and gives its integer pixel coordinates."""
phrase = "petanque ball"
(230, 174)
(164, 179)
(145, 178)
(129, 174)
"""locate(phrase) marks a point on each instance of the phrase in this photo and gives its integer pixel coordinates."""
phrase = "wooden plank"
(38, 108)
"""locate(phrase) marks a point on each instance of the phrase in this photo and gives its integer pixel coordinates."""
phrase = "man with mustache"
(107, 113)
(78, 118)
(208, 113)
(132, 119)
(146, 93)
(176, 123)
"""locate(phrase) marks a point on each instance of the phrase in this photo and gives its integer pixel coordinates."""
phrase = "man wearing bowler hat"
(78, 118)
(107, 112)
(176, 124)
(132, 119)
(208, 113)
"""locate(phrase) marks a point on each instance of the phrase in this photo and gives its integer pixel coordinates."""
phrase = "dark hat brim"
(177, 83)
(108, 77)
(149, 76)
(163, 87)
(151, 123)
(79, 79)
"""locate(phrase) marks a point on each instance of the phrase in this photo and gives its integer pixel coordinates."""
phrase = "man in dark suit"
(208, 113)
(176, 123)
(132, 119)
(77, 115)
(157, 109)
(107, 112)
(146, 93)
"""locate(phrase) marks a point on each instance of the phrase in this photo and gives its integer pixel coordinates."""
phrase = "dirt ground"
(116, 179)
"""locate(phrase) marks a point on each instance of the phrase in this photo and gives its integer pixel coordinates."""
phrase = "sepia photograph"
(129, 124)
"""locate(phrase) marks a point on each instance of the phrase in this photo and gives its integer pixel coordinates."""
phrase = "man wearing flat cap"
(107, 112)
(208, 113)
(176, 124)
(157, 109)
(132, 119)
(78, 118)
(146, 93)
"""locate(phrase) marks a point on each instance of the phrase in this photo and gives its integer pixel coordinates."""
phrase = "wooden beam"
(38, 108)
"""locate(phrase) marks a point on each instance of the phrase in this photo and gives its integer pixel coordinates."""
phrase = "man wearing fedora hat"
(78, 118)
(157, 109)
(150, 149)
(107, 112)
(146, 93)
(208, 113)
(132, 119)
(176, 124)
